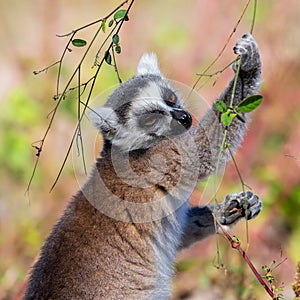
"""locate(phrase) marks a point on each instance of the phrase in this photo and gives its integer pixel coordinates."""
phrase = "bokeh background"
(187, 36)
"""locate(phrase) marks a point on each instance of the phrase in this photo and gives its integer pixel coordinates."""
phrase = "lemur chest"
(147, 178)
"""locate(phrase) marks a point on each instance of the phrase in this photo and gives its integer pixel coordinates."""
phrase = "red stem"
(237, 245)
(248, 261)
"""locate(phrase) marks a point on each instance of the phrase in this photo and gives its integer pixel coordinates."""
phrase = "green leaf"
(111, 22)
(78, 43)
(103, 25)
(118, 49)
(227, 117)
(250, 103)
(221, 106)
(107, 57)
(120, 14)
(116, 39)
(240, 118)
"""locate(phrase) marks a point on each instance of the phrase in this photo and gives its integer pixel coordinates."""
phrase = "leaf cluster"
(119, 15)
(245, 106)
(84, 90)
(269, 277)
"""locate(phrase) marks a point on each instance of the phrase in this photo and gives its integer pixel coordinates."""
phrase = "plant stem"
(60, 96)
(215, 191)
(223, 49)
(235, 81)
(243, 189)
(253, 16)
(236, 245)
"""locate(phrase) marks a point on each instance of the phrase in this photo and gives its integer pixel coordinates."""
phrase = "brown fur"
(119, 236)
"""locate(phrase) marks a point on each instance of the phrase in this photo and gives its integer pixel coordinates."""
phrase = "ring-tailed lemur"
(119, 235)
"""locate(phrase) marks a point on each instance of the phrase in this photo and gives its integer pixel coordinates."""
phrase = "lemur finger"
(254, 210)
(253, 200)
(232, 216)
(239, 205)
(237, 199)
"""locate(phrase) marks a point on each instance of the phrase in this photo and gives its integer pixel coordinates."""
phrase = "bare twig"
(79, 141)
(223, 49)
(99, 65)
(60, 96)
(236, 245)
(253, 16)
(224, 145)
(217, 72)
(116, 66)
(46, 69)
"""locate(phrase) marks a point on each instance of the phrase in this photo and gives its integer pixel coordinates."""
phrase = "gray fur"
(119, 236)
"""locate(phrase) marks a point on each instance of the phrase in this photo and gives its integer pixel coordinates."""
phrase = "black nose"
(182, 120)
(183, 117)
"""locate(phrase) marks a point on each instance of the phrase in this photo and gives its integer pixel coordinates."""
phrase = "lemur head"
(142, 111)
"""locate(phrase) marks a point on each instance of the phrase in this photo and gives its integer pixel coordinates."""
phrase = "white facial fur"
(126, 133)
(131, 136)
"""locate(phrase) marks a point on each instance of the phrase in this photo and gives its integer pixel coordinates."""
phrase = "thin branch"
(224, 47)
(237, 72)
(116, 66)
(60, 96)
(223, 144)
(61, 61)
(46, 69)
(236, 245)
(224, 141)
(95, 22)
(76, 130)
(80, 148)
(217, 72)
(253, 16)
(238, 171)
(215, 188)
(102, 45)
(88, 99)
(243, 189)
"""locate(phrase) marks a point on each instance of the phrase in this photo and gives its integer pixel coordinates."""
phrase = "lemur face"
(142, 111)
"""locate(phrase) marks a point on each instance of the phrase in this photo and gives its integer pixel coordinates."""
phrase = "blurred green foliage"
(17, 120)
(186, 38)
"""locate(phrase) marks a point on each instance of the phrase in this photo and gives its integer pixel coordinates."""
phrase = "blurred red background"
(186, 36)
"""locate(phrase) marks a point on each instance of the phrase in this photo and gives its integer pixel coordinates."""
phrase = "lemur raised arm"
(119, 235)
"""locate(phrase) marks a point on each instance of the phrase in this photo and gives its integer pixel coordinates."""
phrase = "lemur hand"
(247, 49)
(237, 206)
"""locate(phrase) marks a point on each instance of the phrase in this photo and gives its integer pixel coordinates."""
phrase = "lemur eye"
(149, 120)
(172, 98)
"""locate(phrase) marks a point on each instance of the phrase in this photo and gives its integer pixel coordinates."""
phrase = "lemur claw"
(239, 205)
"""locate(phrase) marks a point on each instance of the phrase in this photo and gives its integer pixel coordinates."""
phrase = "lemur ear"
(104, 119)
(148, 65)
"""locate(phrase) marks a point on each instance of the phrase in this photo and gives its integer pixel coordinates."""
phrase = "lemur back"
(119, 235)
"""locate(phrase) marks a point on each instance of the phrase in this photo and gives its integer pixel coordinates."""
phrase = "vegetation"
(187, 39)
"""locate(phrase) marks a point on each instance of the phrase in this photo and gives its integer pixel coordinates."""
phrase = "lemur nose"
(183, 117)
